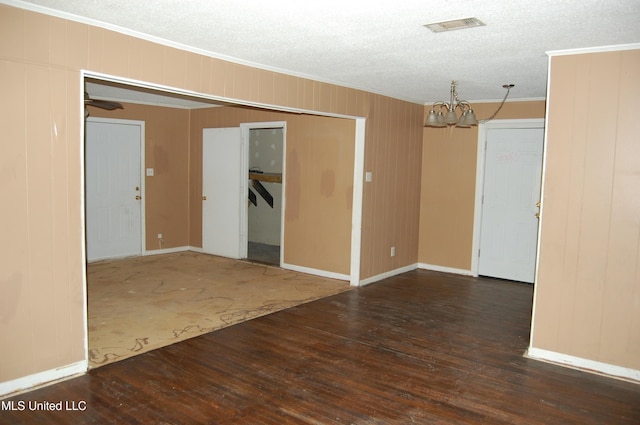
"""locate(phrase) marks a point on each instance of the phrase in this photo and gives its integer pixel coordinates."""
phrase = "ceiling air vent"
(456, 24)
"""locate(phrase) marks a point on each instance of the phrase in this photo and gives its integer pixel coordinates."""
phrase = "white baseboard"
(39, 379)
(168, 250)
(444, 269)
(388, 274)
(307, 270)
(584, 365)
(316, 272)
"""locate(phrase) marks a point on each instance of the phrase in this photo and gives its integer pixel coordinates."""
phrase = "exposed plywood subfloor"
(139, 304)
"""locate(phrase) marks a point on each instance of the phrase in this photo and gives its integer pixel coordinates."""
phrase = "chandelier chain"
(508, 87)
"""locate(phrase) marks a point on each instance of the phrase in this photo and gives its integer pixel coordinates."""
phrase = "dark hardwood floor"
(419, 348)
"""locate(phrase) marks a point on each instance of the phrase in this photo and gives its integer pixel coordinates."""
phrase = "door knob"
(204, 198)
(138, 197)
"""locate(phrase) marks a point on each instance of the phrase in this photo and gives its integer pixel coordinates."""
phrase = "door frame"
(141, 124)
(244, 212)
(358, 181)
(483, 129)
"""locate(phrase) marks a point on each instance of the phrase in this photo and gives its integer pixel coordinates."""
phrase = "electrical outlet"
(159, 235)
(393, 251)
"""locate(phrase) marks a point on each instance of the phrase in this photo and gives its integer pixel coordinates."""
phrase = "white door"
(224, 192)
(113, 189)
(509, 226)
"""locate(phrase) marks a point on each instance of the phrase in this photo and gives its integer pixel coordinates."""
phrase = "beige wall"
(42, 270)
(447, 201)
(587, 301)
(167, 152)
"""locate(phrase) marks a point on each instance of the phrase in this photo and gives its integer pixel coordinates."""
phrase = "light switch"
(368, 176)
(150, 172)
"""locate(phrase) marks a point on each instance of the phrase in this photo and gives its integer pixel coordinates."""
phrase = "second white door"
(509, 225)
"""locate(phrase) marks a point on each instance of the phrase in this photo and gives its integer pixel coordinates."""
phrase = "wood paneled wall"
(42, 270)
(391, 200)
(587, 301)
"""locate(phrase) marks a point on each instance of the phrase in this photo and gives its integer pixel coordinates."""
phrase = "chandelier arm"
(438, 103)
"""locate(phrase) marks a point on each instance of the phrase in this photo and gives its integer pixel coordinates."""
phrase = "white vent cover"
(456, 24)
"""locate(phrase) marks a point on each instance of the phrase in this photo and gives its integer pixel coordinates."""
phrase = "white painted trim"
(121, 257)
(475, 101)
(50, 376)
(83, 222)
(599, 49)
(442, 269)
(292, 267)
(316, 272)
(388, 274)
(356, 207)
(143, 185)
(584, 365)
(190, 93)
(541, 223)
(167, 250)
(480, 169)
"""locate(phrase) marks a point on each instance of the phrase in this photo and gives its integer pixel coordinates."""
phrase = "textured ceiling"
(378, 45)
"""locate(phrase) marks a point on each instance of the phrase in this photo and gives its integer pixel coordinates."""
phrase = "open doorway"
(160, 161)
(266, 193)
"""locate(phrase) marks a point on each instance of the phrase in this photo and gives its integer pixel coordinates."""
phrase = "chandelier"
(447, 115)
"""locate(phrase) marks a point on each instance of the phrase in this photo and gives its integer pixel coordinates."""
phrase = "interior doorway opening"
(265, 206)
(117, 89)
